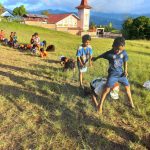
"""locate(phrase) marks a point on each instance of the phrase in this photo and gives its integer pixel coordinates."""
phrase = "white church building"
(72, 23)
(84, 15)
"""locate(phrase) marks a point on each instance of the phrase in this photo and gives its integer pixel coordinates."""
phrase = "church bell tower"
(84, 15)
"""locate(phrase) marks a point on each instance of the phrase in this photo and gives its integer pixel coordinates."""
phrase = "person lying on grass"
(84, 55)
(117, 58)
(32, 39)
(14, 39)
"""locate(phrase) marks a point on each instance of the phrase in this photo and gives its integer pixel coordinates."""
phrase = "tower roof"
(84, 5)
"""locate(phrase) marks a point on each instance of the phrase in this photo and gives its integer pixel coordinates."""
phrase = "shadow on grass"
(46, 102)
(51, 68)
(51, 61)
(75, 126)
(74, 122)
(42, 73)
(59, 88)
(136, 84)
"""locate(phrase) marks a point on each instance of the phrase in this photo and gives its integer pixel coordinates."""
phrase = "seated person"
(37, 40)
(43, 44)
(2, 35)
(28, 46)
(34, 49)
(43, 53)
(11, 39)
(32, 39)
(14, 39)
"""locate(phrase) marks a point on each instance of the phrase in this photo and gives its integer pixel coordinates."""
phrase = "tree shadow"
(73, 122)
(32, 72)
(59, 88)
(75, 126)
(46, 102)
(51, 61)
(51, 68)
(80, 120)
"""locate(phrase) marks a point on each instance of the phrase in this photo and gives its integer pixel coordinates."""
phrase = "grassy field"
(42, 108)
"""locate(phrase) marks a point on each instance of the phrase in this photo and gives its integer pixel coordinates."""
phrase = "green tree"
(138, 28)
(19, 11)
(127, 27)
(1, 8)
(93, 26)
(109, 27)
(46, 13)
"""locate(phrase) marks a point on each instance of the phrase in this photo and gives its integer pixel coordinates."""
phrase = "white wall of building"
(84, 15)
(70, 21)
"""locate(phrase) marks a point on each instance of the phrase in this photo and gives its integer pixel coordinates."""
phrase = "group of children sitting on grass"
(35, 46)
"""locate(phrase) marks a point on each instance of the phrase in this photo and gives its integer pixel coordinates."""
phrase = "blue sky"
(110, 6)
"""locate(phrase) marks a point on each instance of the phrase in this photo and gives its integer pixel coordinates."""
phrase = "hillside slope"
(43, 108)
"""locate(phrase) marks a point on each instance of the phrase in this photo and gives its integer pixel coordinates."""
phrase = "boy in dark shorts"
(84, 55)
(117, 58)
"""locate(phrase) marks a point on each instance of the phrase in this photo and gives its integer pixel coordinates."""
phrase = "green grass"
(42, 108)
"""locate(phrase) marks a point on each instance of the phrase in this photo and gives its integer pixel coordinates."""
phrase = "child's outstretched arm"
(104, 55)
(95, 58)
(100, 56)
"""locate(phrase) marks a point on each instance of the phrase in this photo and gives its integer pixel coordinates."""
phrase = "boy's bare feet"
(132, 106)
(99, 109)
(82, 87)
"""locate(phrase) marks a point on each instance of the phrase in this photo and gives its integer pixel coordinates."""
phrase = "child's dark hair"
(119, 41)
(86, 38)
(36, 34)
(41, 49)
(44, 43)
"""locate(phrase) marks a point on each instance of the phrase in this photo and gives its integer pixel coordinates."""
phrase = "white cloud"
(123, 6)
(110, 6)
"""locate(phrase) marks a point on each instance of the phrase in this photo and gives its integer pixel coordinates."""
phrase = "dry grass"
(42, 107)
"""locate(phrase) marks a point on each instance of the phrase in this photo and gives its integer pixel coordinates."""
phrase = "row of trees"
(20, 11)
(1, 8)
(132, 28)
(138, 28)
(108, 28)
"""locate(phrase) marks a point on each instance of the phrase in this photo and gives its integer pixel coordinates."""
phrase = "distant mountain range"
(99, 18)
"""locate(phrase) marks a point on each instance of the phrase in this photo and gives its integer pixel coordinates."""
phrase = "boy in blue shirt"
(117, 58)
(84, 55)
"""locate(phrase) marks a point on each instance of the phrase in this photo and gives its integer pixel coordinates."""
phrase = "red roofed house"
(64, 22)
(70, 22)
